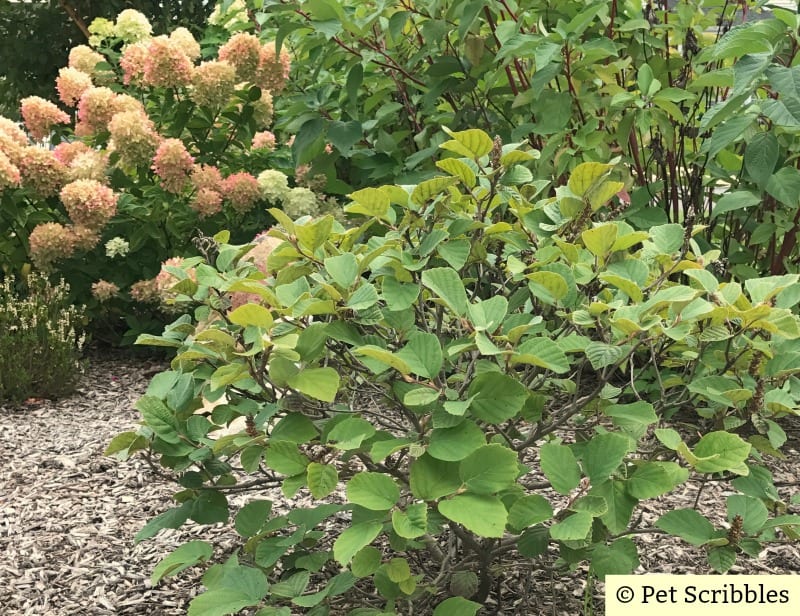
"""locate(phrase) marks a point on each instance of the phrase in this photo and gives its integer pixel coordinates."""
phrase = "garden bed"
(68, 516)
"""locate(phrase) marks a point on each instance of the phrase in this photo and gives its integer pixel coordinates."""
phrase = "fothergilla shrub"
(155, 140)
(40, 349)
(471, 378)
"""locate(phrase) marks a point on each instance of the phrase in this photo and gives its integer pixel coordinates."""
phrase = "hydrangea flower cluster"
(89, 203)
(41, 171)
(103, 290)
(40, 116)
(132, 26)
(71, 83)
(242, 191)
(50, 242)
(212, 83)
(9, 173)
(133, 137)
(264, 140)
(274, 185)
(117, 247)
(166, 65)
(173, 164)
(145, 292)
(300, 201)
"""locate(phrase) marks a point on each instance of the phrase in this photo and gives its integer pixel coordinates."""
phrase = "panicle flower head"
(186, 41)
(273, 69)
(117, 247)
(262, 110)
(11, 129)
(243, 51)
(71, 83)
(86, 59)
(9, 173)
(212, 83)
(274, 185)
(132, 62)
(145, 291)
(206, 202)
(40, 116)
(242, 191)
(132, 26)
(83, 238)
(206, 176)
(173, 164)
(299, 202)
(125, 102)
(41, 171)
(91, 165)
(264, 140)
(66, 151)
(89, 203)
(166, 65)
(104, 290)
(133, 137)
(96, 108)
(11, 148)
(49, 242)
(100, 29)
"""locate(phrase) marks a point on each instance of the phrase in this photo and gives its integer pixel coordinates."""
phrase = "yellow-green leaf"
(472, 143)
(600, 240)
(459, 169)
(587, 175)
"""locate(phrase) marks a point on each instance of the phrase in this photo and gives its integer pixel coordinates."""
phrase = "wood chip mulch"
(68, 516)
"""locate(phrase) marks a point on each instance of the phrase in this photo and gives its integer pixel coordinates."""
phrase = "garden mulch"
(68, 516)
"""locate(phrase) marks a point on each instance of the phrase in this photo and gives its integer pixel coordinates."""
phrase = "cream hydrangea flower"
(117, 247)
(132, 26)
(274, 185)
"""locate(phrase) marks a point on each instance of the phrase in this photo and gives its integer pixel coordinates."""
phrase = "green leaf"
(722, 558)
(784, 185)
(384, 357)
(411, 523)
(343, 269)
(667, 238)
(322, 479)
(366, 561)
(572, 528)
(620, 504)
(603, 455)
(185, 556)
(423, 354)
(560, 467)
(252, 517)
(496, 397)
(220, 602)
(318, 383)
(688, 525)
(251, 314)
(529, 510)
(171, 518)
(735, 200)
(549, 287)
(311, 235)
(430, 479)
(344, 135)
(543, 352)
(486, 516)
(159, 418)
(284, 458)
(724, 452)
(760, 157)
(364, 297)
(752, 510)
(353, 539)
(489, 469)
(350, 433)
(618, 558)
(585, 176)
(459, 169)
(472, 143)
(457, 606)
(600, 240)
(456, 443)
(487, 315)
(371, 202)
(601, 354)
(429, 190)
(652, 479)
(399, 295)
(447, 284)
(373, 491)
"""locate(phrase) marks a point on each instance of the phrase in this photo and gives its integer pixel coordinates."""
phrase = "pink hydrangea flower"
(41, 171)
(132, 62)
(85, 59)
(145, 291)
(83, 238)
(133, 137)
(173, 164)
(242, 191)
(12, 130)
(9, 173)
(11, 148)
(91, 165)
(40, 116)
(49, 242)
(206, 202)
(71, 83)
(103, 290)
(212, 83)
(96, 108)
(166, 65)
(264, 140)
(89, 203)
(243, 51)
(66, 151)
(273, 69)
(206, 176)
(186, 41)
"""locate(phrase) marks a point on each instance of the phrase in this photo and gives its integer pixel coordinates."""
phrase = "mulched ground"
(68, 516)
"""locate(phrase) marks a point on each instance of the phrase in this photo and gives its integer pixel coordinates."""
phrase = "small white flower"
(117, 247)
